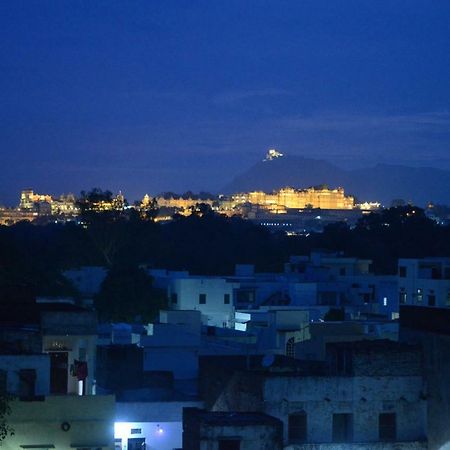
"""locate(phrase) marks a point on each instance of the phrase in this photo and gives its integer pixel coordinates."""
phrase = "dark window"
(245, 296)
(342, 427)
(342, 271)
(387, 426)
(402, 271)
(290, 347)
(297, 428)
(431, 300)
(229, 444)
(402, 297)
(27, 383)
(202, 299)
(174, 297)
(58, 372)
(226, 299)
(136, 443)
(328, 298)
(3, 381)
(344, 361)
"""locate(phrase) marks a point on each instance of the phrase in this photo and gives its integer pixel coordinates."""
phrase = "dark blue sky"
(147, 96)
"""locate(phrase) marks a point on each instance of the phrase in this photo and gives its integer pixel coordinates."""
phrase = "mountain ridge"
(381, 182)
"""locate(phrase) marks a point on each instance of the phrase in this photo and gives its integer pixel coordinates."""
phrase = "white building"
(213, 297)
(424, 282)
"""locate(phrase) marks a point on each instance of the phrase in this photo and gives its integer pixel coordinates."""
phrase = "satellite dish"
(268, 360)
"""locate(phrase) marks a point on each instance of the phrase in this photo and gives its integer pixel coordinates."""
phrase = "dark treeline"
(203, 244)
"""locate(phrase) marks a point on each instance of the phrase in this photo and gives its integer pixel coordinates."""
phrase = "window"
(419, 295)
(297, 428)
(402, 297)
(202, 299)
(290, 347)
(342, 427)
(344, 362)
(328, 298)
(342, 271)
(244, 296)
(385, 301)
(448, 298)
(229, 444)
(387, 428)
(3, 381)
(402, 271)
(226, 299)
(27, 382)
(431, 300)
(174, 298)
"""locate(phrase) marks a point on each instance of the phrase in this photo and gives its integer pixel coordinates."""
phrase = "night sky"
(150, 96)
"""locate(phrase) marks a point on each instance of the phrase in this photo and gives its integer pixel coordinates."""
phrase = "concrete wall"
(364, 397)
(12, 364)
(372, 446)
(91, 421)
(255, 437)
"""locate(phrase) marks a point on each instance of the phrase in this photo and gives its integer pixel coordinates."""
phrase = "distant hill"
(379, 183)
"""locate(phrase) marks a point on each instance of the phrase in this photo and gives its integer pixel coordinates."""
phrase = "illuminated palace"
(45, 203)
(290, 198)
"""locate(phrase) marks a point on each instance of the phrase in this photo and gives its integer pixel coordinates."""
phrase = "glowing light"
(121, 429)
(159, 430)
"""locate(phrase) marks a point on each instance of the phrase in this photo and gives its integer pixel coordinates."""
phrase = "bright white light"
(384, 301)
(121, 430)
(80, 387)
(159, 430)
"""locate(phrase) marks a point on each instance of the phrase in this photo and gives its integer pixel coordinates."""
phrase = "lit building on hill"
(28, 199)
(64, 205)
(287, 198)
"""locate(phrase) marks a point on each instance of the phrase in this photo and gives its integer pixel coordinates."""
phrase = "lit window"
(419, 295)
(385, 301)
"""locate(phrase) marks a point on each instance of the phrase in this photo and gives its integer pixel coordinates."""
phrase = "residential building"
(204, 430)
(424, 282)
(367, 394)
(212, 296)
